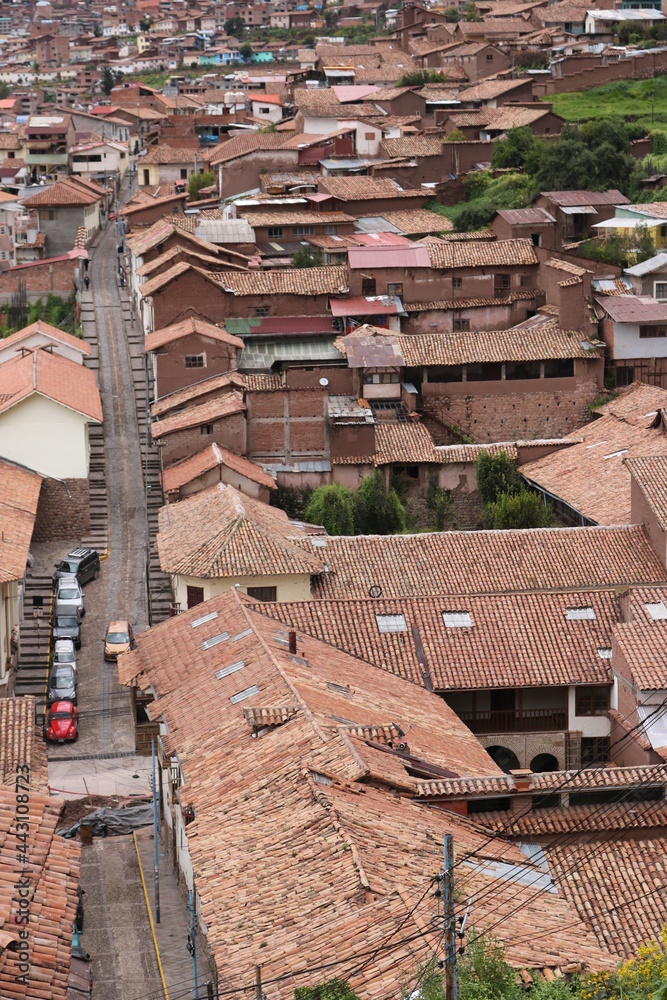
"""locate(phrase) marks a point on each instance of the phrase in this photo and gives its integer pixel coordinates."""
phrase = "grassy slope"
(630, 99)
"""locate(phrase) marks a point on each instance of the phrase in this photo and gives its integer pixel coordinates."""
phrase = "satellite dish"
(324, 382)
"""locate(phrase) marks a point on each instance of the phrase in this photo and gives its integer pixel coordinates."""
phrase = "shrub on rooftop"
(496, 474)
(525, 509)
(333, 507)
(378, 512)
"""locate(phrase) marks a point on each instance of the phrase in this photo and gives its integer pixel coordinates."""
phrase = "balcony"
(530, 720)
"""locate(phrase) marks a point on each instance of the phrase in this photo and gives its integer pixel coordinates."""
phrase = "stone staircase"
(34, 640)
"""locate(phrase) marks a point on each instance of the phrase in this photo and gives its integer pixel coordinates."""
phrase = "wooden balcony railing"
(528, 720)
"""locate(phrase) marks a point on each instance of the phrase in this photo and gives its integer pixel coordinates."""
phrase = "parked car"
(66, 625)
(119, 639)
(62, 722)
(84, 564)
(64, 652)
(68, 588)
(62, 683)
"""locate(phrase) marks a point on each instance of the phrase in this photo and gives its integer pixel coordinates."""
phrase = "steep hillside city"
(333, 500)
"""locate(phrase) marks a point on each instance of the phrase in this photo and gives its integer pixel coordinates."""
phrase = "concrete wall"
(61, 230)
(37, 340)
(46, 437)
(624, 342)
(641, 513)
(289, 588)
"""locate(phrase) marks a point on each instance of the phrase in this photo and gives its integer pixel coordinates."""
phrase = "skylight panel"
(231, 669)
(246, 693)
(457, 619)
(205, 618)
(241, 635)
(391, 623)
(215, 640)
(658, 612)
(580, 614)
(616, 454)
(604, 654)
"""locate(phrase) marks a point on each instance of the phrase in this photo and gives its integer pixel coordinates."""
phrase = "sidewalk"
(106, 775)
(172, 931)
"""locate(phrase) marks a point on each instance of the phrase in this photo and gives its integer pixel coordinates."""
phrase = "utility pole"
(156, 868)
(449, 929)
(258, 983)
(192, 943)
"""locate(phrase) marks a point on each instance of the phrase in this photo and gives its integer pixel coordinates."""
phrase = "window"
(195, 361)
(660, 290)
(330, 230)
(206, 429)
(391, 623)
(275, 232)
(395, 288)
(489, 56)
(263, 593)
(369, 136)
(184, 174)
(595, 750)
(484, 371)
(526, 280)
(652, 330)
(457, 283)
(559, 368)
(265, 111)
(303, 230)
(515, 370)
(592, 700)
(368, 286)
(460, 325)
(262, 311)
(501, 285)
(51, 215)
(194, 596)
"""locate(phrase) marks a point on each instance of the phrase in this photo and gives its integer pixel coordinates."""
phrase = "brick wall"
(287, 424)
(40, 278)
(494, 413)
(171, 371)
(63, 510)
(229, 433)
(498, 317)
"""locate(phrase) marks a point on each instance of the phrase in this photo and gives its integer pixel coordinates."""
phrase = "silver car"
(68, 591)
(64, 652)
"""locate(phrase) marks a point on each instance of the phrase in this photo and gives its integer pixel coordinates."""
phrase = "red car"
(62, 722)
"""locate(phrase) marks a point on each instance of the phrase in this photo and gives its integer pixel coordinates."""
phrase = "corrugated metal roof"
(265, 355)
(271, 325)
(634, 308)
(655, 729)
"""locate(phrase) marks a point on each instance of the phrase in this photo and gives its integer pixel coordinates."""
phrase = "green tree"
(107, 81)
(524, 509)
(333, 507)
(246, 50)
(496, 474)
(420, 77)
(378, 512)
(235, 26)
(452, 15)
(305, 257)
(199, 181)
(334, 989)
(456, 136)
(520, 149)
(145, 23)
(471, 12)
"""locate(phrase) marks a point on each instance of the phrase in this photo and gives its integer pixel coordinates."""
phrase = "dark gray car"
(66, 624)
(84, 564)
(62, 683)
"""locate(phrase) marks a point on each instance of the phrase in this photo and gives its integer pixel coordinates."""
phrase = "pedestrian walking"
(86, 282)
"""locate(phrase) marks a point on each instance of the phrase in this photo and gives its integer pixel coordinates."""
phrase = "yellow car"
(118, 639)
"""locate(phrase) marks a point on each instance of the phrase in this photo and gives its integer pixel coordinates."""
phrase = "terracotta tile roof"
(344, 856)
(176, 400)
(210, 458)
(367, 188)
(650, 474)
(51, 870)
(288, 218)
(418, 220)
(489, 89)
(329, 280)
(412, 145)
(148, 288)
(207, 412)
(501, 345)
(506, 118)
(603, 494)
(64, 193)
(221, 533)
(241, 145)
(167, 155)
(567, 781)
(522, 295)
(50, 375)
(488, 562)
(642, 641)
(186, 328)
(396, 442)
(612, 871)
(21, 743)
(141, 242)
(455, 453)
(52, 332)
(525, 216)
(513, 641)
(185, 253)
(447, 254)
(584, 819)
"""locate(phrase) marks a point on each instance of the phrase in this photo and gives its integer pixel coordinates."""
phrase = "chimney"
(523, 779)
(292, 642)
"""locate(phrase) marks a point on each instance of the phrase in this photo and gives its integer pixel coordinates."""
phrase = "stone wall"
(527, 746)
(63, 510)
